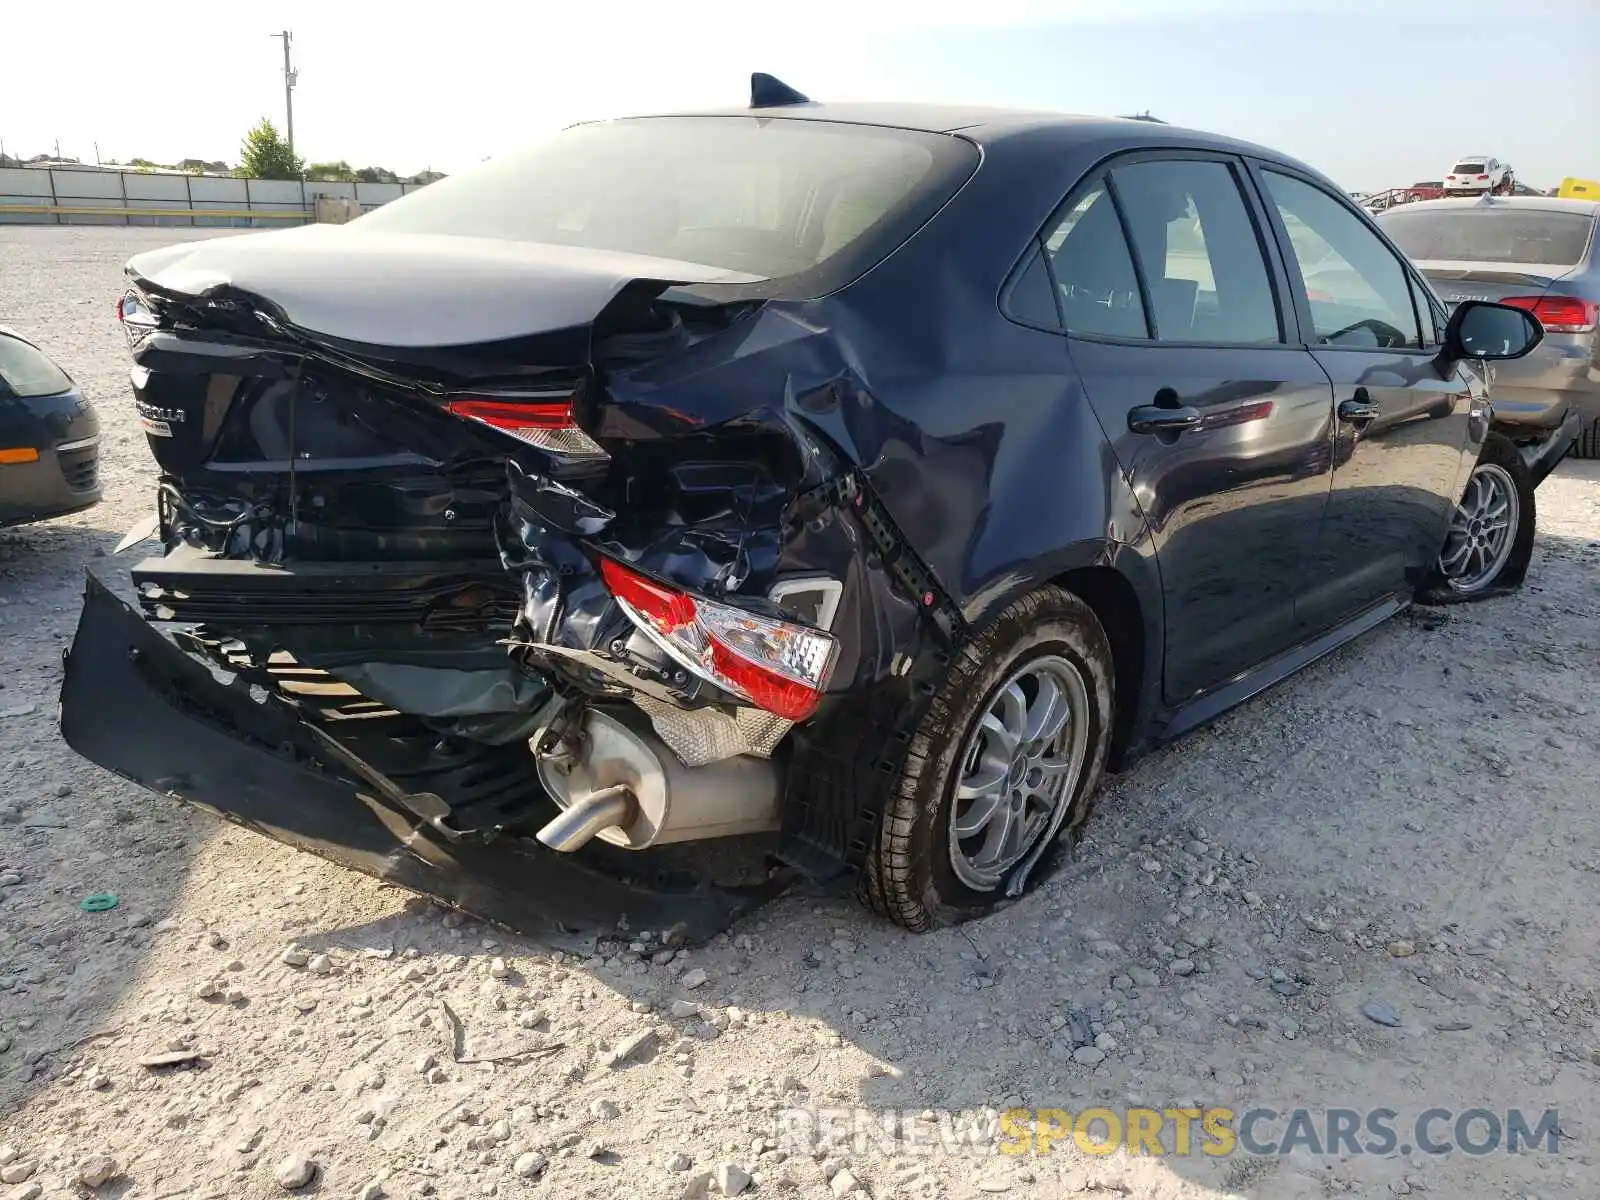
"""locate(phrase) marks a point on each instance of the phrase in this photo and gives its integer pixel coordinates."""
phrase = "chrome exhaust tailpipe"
(626, 787)
(585, 817)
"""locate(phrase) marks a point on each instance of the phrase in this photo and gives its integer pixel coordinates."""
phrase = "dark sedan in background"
(1537, 253)
(49, 437)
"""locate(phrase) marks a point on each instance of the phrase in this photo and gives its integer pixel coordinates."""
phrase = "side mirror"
(1479, 329)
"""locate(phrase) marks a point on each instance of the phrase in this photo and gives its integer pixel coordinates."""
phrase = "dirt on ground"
(1373, 888)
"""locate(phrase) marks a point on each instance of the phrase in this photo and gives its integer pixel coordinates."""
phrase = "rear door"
(1402, 436)
(1220, 421)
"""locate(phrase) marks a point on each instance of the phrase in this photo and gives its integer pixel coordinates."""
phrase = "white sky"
(409, 85)
(1361, 88)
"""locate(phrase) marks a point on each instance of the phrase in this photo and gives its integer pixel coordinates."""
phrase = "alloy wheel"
(1482, 530)
(1019, 770)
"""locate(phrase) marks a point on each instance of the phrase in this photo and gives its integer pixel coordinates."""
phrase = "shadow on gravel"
(68, 830)
(1353, 837)
(1211, 942)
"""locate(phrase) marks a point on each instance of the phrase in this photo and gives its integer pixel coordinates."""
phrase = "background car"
(1474, 173)
(1541, 254)
(49, 437)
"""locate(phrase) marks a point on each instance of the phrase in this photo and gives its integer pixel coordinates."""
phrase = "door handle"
(1359, 407)
(1158, 418)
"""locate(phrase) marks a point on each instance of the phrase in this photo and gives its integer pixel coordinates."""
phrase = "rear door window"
(1358, 292)
(1201, 257)
(1093, 269)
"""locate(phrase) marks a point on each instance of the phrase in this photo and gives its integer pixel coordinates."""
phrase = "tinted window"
(773, 198)
(1031, 298)
(1202, 261)
(1467, 168)
(1520, 235)
(1094, 271)
(1360, 295)
(27, 372)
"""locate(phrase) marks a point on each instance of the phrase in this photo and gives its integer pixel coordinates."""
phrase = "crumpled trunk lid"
(324, 497)
(402, 291)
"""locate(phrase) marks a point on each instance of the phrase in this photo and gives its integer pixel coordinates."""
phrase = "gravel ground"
(1372, 888)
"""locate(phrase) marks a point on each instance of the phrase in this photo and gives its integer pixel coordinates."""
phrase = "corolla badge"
(157, 420)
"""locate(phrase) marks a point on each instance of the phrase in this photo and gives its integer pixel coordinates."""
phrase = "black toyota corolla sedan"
(49, 437)
(864, 478)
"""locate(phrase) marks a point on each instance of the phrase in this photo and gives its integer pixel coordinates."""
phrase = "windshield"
(1468, 168)
(1556, 239)
(769, 197)
(27, 372)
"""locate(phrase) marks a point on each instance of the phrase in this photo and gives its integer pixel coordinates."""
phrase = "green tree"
(376, 175)
(337, 171)
(265, 155)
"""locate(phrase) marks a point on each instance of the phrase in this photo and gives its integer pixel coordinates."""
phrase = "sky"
(1376, 93)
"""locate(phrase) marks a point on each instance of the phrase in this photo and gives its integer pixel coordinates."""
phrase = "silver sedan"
(1538, 253)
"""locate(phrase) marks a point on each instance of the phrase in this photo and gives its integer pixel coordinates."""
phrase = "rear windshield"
(1467, 168)
(771, 197)
(1554, 239)
(27, 372)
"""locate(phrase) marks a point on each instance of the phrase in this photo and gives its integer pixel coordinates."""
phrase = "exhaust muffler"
(626, 787)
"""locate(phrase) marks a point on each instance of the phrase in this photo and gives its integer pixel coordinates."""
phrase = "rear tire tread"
(897, 861)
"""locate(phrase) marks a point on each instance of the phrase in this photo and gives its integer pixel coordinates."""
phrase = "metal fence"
(63, 196)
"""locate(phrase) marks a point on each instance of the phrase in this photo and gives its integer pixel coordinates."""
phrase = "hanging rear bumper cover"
(135, 703)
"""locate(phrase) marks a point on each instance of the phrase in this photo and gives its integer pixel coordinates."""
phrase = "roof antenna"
(768, 91)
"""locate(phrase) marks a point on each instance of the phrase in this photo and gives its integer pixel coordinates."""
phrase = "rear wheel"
(1490, 539)
(1005, 762)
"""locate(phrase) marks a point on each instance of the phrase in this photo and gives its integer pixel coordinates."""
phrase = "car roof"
(987, 125)
(1586, 208)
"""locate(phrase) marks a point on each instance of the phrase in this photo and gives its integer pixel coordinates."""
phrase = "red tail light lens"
(539, 421)
(776, 665)
(1559, 314)
(1483, 177)
(667, 610)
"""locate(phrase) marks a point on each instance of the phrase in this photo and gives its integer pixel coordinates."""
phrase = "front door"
(1221, 426)
(1402, 442)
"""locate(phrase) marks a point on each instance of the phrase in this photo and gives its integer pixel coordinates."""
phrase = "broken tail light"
(539, 420)
(778, 666)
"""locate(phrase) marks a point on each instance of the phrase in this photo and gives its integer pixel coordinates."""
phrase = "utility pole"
(289, 77)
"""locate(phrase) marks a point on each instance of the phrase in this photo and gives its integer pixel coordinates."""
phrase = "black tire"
(1588, 443)
(909, 876)
(1499, 454)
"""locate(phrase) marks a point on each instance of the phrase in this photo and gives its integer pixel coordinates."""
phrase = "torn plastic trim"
(844, 762)
(1542, 455)
(137, 705)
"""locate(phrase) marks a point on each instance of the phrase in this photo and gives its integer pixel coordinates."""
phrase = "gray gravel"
(1430, 790)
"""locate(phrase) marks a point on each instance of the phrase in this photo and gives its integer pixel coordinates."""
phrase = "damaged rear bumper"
(137, 704)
